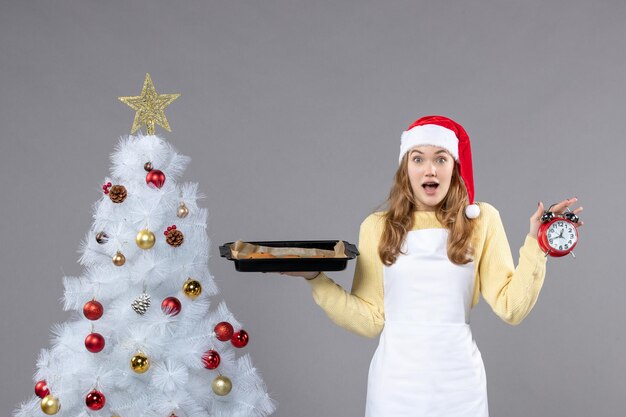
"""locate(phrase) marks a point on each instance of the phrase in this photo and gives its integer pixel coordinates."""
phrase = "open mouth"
(430, 186)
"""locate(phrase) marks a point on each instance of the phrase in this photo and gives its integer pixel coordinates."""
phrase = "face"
(430, 172)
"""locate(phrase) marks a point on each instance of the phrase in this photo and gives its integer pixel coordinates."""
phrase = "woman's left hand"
(535, 219)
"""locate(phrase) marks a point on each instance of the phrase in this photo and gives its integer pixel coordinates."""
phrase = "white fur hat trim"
(434, 135)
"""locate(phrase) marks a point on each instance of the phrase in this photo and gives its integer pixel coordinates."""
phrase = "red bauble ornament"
(95, 400)
(94, 342)
(156, 178)
(93, 310)
(41, 388)
(171, 306)
(239, 339)
(224, 331)
(211, 359)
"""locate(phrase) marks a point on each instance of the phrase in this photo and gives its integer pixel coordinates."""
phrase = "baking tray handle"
(225, 251)
(350, 248)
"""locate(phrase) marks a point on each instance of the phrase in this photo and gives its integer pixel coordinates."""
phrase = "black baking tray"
(293, 264)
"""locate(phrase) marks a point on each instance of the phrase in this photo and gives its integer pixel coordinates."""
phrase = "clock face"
(561, 235)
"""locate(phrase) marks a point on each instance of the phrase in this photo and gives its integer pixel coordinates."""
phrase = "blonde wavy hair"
(450, 213)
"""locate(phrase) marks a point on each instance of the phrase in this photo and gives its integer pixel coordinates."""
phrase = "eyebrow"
(436, 153)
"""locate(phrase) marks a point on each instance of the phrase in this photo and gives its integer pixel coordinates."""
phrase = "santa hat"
(448, 134)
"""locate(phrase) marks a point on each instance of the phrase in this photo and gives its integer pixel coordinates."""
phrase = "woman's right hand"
(304, 274)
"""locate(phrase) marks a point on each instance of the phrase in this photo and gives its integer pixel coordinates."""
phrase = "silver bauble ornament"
(102, 238)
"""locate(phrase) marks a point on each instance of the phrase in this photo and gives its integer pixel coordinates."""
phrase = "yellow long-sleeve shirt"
(510, 291)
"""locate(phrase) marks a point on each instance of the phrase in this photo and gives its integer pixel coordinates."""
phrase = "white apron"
(427, 363)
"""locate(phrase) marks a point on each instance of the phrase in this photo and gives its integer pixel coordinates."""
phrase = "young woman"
(423, 264)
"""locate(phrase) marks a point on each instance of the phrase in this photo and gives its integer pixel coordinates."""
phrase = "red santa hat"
(448, 134)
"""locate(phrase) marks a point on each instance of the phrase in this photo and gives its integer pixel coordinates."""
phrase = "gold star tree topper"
(149, 106)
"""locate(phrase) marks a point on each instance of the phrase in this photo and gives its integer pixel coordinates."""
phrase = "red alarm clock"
(557, 234)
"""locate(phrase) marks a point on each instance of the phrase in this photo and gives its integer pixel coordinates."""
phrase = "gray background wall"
(292, 112)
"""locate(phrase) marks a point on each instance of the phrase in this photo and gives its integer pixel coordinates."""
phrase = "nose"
(431, 170)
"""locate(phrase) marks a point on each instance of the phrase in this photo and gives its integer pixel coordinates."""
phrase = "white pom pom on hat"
(446, 133)
(472, 211)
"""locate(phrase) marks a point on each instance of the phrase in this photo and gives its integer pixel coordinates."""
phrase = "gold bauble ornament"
(119, 259)
(182, 211)
(221, 385)
(145, 239)
(147, 166)
(140, 363)
(192, 288)
(50, 405)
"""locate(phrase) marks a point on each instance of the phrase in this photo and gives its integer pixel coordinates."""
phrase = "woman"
(422, 266)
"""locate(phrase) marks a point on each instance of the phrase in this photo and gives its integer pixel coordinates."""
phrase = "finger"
(558, 208)
(578, 210)
(539, 212)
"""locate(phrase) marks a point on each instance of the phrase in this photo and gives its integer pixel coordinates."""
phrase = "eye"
(442, 160)
(417, 159)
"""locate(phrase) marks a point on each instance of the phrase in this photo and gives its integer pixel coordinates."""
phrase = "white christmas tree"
(143, 340)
